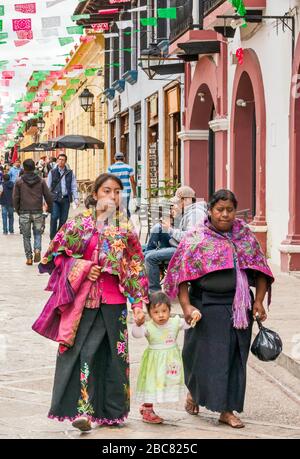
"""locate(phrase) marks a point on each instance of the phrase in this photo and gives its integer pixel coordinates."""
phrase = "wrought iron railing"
(210, 5)
(185, 20)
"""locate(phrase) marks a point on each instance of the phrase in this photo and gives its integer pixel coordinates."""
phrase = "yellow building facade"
(87, 164)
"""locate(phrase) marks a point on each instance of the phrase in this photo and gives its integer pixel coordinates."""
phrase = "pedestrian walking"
(51, 164)
(97, 265)
(126, 174)
(6, 202)
(220, 259)
(41, 167)
(1, 174)
(29, 192)
(161, 377)
(14, 171)
(63, 186)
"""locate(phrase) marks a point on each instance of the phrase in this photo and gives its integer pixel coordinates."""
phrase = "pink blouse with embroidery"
(108, 284)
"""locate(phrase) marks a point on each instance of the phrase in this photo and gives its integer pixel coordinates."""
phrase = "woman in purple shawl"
(220, 260)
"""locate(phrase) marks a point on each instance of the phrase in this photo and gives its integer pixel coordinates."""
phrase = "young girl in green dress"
(161, 377)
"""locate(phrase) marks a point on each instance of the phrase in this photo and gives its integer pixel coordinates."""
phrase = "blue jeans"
(37, 221)
(159, 239)
(8, 215)
(153, 259)
(59, 215)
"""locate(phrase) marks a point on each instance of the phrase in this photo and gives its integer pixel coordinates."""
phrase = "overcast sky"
(42, 53)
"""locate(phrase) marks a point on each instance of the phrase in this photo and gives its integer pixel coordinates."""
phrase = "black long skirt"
(92, 378)
(215, 354)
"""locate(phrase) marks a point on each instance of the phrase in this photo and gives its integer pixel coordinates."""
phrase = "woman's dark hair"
(90, 202)
(222, 195)
(158, 298)
(103, 178)
(6, 177)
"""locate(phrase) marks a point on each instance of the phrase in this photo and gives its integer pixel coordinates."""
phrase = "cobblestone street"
(28, 360)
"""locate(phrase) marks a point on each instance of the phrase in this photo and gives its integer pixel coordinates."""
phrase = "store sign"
(117, 105)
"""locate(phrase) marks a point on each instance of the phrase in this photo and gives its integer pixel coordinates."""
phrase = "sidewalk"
(28, 363)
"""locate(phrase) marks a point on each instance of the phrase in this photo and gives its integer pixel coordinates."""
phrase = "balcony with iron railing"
(192, 14)
(186, 12)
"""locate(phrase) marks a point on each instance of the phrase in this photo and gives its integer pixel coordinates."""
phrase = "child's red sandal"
(150, 417)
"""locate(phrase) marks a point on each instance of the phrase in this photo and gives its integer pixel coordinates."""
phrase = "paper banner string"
(21, 24)
(53, 3)
(27, 8)
(52, 21)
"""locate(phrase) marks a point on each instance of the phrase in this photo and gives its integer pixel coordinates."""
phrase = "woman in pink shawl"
(219, 259)
(97, 266)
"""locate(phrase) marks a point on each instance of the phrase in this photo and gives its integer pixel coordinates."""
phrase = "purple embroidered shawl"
(204, 250)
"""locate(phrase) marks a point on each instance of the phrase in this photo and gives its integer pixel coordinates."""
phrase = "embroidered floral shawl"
(204, 250)
(120, 251)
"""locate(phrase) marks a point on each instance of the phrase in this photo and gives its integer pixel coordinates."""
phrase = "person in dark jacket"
(29, 192)
(7, 205)
(63, 185)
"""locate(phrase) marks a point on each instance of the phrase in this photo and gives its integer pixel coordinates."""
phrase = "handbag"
(267, 345)
(56, 195)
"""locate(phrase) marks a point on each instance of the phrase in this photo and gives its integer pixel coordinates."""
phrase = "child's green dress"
(161, 377)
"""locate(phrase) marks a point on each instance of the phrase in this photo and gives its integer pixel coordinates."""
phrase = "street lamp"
(86, 99)
(154, 61)
(40, 124)
(150, 57)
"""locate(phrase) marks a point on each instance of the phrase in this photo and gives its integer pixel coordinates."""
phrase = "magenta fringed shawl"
(204, 250)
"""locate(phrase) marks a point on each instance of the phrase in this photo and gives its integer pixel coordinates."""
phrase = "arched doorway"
(202, 113)
(244, 139)
(290, 247)
(248, 143)
(205, 124)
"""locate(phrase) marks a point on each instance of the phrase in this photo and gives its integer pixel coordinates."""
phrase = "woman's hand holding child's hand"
(196, 316)
(191, 314)
(139, 316)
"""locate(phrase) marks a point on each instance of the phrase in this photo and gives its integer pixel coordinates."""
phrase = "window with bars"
(116, 55)
(144, 30)
(126, 45)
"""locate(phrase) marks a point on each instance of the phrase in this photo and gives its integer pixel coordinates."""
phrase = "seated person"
(164, 238)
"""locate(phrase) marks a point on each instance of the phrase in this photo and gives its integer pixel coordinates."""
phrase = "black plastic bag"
(267, 345)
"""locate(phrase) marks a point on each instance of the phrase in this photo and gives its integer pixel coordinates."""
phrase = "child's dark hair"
(158, 298)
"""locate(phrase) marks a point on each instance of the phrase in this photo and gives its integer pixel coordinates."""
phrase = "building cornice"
(219, 124)
(195, 134)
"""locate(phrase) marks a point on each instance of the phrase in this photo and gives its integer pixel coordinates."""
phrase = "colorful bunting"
(49, 33)
(75, 81)
(53, 2)
(78, 17)
(75, 30)
(148, 22)
(239, 6)
(167, 13)
(21, 24)
(28, 8)
(100, 27)
(65, 40)
(21, 42)
(52, 21)
(25, 34)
